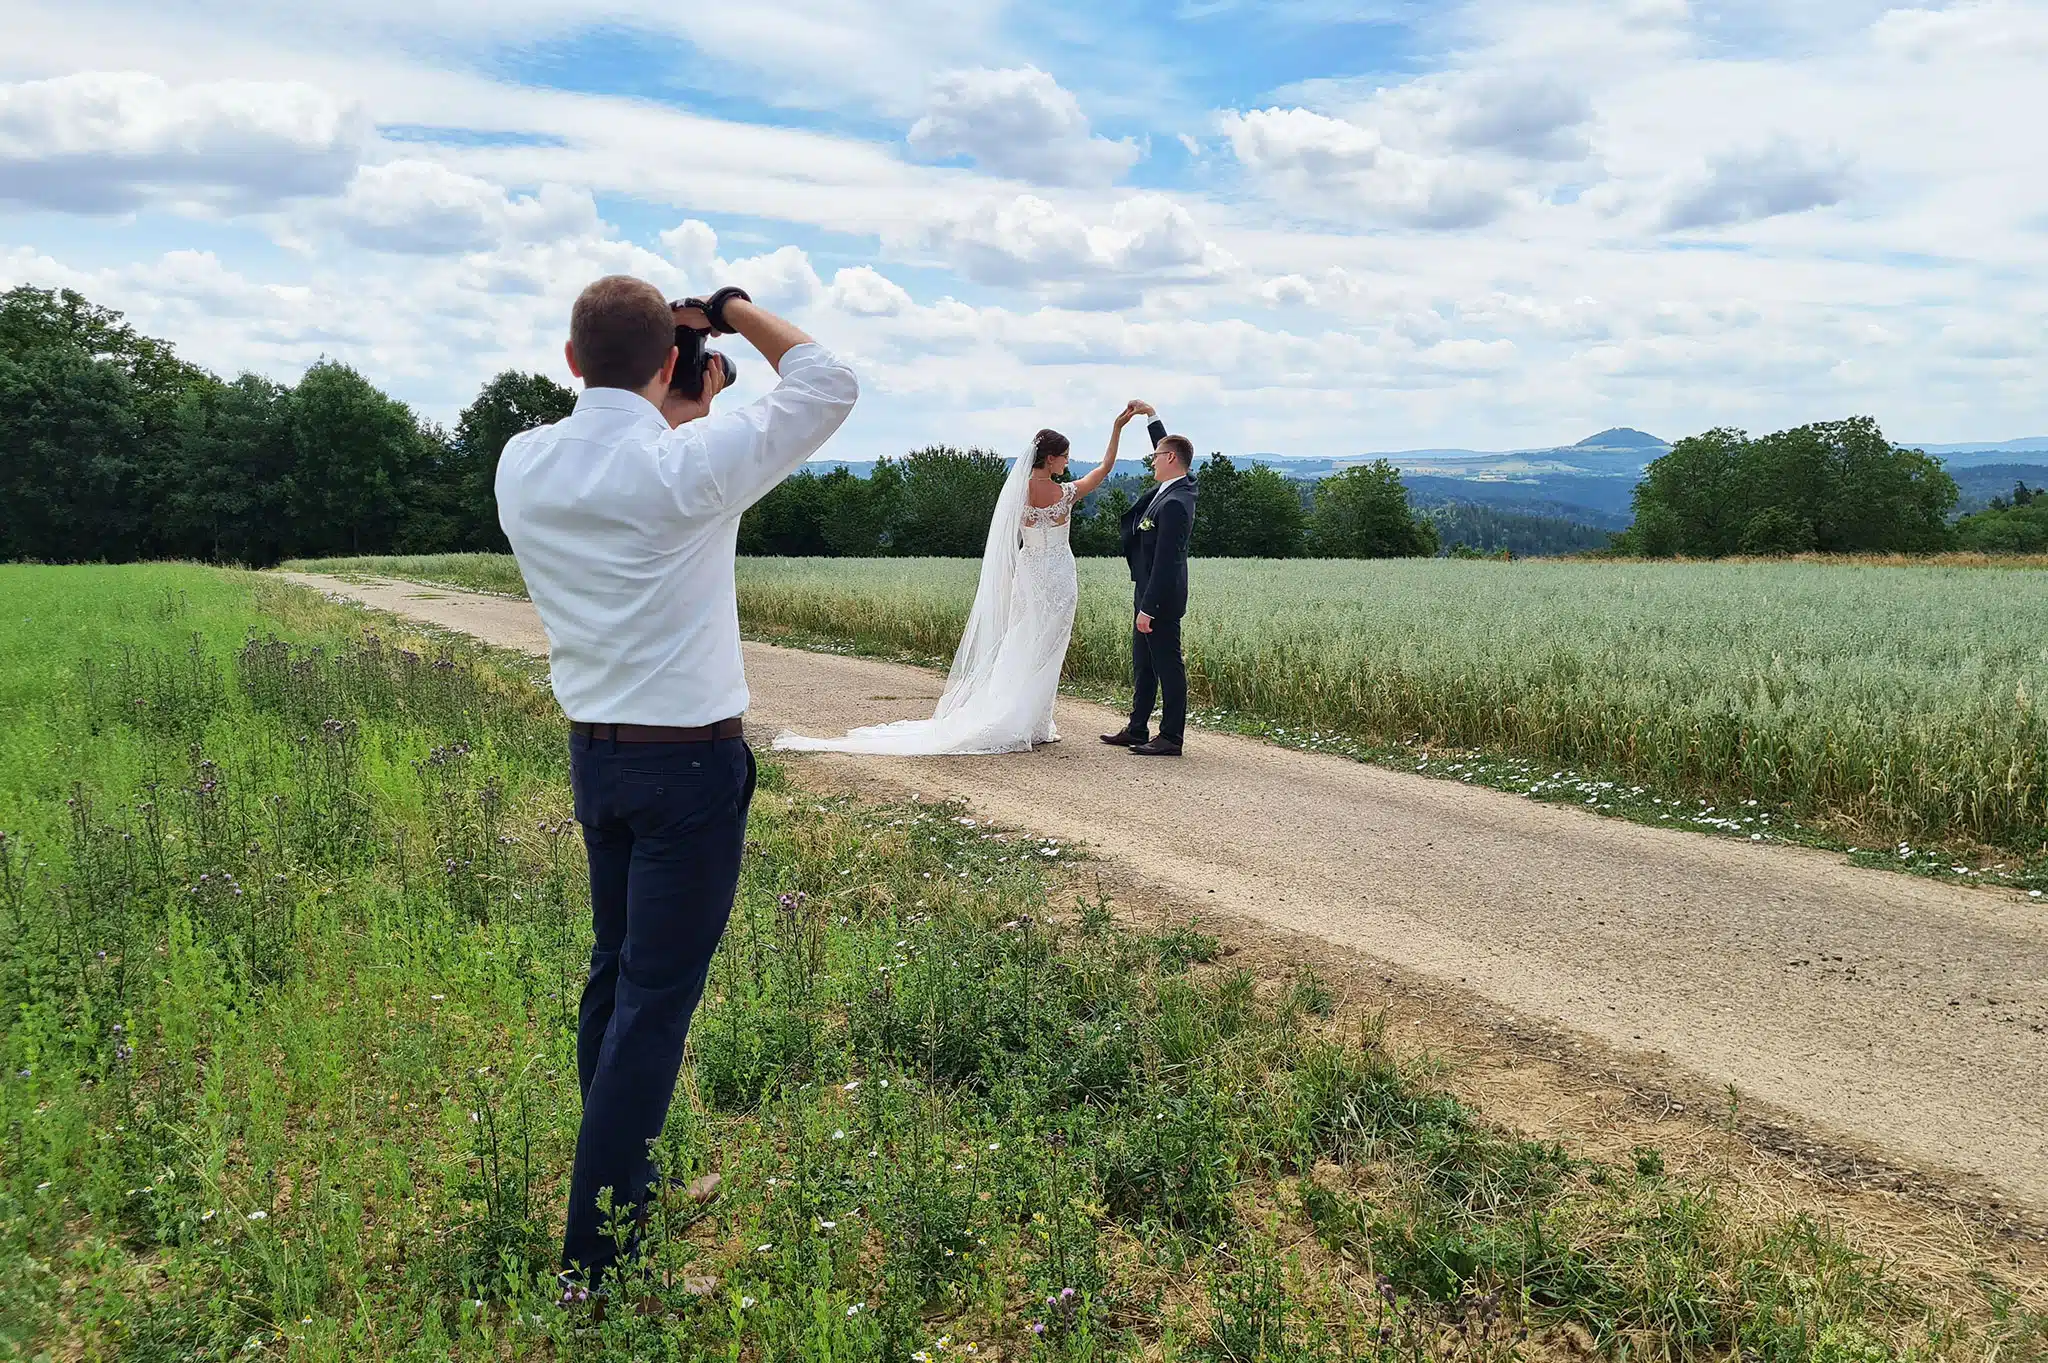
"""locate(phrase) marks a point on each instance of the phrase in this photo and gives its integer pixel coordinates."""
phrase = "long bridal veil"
(974, 713)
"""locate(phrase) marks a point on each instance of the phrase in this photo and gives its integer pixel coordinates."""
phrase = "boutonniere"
(1148, 524)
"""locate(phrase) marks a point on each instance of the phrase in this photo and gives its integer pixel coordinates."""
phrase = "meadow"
(1887, 702)
(295, 917)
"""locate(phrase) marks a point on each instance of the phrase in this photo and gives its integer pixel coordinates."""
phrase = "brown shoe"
(1125, 737)
(1161, 746)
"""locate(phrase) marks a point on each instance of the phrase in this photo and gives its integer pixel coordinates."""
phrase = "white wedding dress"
(1006, 675)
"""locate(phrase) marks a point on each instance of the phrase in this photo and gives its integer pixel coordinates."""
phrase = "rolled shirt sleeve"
(726, 462)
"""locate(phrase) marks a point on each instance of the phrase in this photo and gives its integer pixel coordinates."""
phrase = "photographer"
(624, 517)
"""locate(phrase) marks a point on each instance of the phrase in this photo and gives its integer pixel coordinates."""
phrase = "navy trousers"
(1157, 670)
(664, 825)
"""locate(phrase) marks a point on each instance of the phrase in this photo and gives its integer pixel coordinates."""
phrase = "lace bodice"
(1047, 527)
(1059, 513)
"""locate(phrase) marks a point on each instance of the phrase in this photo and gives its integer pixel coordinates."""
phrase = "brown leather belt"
(659, 733)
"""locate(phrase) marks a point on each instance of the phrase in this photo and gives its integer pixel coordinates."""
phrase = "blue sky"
(1297, 226)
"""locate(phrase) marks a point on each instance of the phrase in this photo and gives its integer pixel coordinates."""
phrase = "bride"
(1006, 674)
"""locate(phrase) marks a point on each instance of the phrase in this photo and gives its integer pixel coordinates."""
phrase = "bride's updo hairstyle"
(1047, 445)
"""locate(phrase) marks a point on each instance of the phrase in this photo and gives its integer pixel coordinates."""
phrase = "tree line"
(937, 501)
(113, 448)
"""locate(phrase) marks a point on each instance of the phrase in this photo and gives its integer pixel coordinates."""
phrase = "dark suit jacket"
(1159, 556)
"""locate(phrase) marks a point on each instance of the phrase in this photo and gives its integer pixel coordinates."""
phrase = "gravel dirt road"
(1882, 1013)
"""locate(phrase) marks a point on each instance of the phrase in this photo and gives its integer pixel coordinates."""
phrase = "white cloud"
(422, 208)
(1019, 123)
(1325, 162)
(865, 291)
(1747, 186)
(112, 141)
(1988, 29)
(1028, 242)
(783, 278)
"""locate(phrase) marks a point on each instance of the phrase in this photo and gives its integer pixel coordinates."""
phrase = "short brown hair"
(1181, 446)
(621, 332)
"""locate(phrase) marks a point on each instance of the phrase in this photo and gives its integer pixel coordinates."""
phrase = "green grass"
(294, 917)
(1886, 705)
(496, 573)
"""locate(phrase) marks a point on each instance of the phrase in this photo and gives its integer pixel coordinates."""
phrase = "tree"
(510, 403)
(355, 450)
(1834, 487)
(230, 482)
(2016, 527)
(947, 498)
(1363, 512)
(1253, 512)
(71, 436)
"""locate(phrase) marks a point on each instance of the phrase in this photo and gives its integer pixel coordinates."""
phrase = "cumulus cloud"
(1018, 122)
(113, 141)
(1027, 242)
(1317, 159)
(1747, 186)
(783, 278)
(866, 292)
(423, 208)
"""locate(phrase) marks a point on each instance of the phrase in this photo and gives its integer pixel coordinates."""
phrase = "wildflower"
(763, 1249)
(855, 1309)
(849, 1086)
(259, 1216)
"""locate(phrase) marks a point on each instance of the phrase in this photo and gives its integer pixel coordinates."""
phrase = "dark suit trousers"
(665, 825)
(1157, 671)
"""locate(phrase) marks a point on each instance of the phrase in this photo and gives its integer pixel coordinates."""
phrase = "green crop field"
(1898, 702)
(295, 917)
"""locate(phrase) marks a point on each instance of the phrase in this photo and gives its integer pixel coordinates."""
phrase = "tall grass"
(294, 923)
(1906, 700)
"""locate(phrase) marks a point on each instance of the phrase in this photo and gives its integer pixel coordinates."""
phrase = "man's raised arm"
(743, 453)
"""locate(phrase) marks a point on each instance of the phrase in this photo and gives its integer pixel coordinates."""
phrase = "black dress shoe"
(1125, 737)
(1161, 746)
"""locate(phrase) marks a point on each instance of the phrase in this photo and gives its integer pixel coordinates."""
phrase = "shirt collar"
(619, 400)
(1171, 481)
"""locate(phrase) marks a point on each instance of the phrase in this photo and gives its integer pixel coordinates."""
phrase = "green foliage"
(1253, 512)
(1363, 512)
(509, 404)
(945, 502)
(120, 450)
(1836, 487)
(1491, 532)
(2018, 525)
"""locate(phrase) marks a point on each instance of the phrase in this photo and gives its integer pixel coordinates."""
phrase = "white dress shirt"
(626, 530)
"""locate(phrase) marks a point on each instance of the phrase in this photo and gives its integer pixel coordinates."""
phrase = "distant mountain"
(2033, 444)
(1622, 438)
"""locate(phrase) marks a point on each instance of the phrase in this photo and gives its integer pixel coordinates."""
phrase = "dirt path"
(1881, 1012)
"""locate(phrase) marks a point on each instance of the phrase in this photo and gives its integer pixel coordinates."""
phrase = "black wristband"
(714, 308)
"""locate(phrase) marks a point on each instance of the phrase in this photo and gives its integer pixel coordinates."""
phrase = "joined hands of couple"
(1137, 407)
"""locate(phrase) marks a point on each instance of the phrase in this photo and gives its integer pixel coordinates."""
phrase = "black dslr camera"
(694, 361)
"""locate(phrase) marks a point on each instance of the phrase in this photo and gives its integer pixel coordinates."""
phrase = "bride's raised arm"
(1086, 485)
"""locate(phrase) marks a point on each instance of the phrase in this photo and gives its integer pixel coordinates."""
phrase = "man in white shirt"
(624, 517)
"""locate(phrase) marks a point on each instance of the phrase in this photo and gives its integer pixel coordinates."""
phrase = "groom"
(1155, 544)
